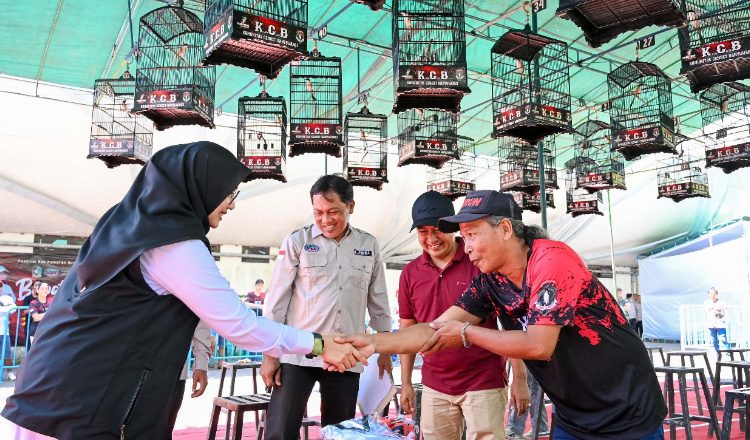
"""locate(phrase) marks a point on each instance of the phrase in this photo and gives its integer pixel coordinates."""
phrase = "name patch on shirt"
(312, 248)
(363, 253)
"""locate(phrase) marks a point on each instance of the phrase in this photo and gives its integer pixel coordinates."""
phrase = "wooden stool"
(234, 367)
(691, 355)
(740, 377)
(742, 396)
(237, 405)
(651, 349)
(683, 419)
(732, 351)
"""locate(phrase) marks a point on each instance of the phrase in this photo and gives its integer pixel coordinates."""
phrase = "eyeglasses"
(233, 196)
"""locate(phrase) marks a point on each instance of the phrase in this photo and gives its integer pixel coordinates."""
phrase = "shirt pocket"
(361, 272)
(312, 271)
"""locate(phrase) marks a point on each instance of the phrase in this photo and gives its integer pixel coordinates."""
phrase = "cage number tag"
(538, 5)
(606, 106)
(322, 32)
(646, 42)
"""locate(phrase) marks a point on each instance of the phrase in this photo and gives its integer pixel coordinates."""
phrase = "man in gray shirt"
(326, 276)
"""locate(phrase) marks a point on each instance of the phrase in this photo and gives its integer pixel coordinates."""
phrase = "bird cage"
(261, 136)
(533, 202)
(117, 136)
(374, 5)
(170, 88)
(427, 137)
(429, 54)
(519, 166)
(315, 108)
(262, 35)
(603, 20)
(726, 125)
(641, 114)
(595, 165)
(530, 86)
(682, 179)
(458, 177)
(579, 200)
(715, 43)
(366, 152)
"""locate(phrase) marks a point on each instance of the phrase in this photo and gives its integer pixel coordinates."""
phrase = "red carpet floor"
(699, 429)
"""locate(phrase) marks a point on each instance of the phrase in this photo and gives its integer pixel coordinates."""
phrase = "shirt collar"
(316, 231)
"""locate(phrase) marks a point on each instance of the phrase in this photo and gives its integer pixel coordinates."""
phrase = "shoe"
(510, 435)
(530, 434)
(11, 376)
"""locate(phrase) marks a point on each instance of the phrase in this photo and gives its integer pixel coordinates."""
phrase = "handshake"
(342, 352)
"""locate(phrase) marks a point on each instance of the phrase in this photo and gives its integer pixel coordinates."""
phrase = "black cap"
(480, 204)
(429, 207)
(259, 281)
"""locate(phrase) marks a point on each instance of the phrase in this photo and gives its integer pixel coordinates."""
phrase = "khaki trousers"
(483, 412)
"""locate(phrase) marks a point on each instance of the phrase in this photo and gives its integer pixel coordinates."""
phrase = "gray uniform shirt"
(325, 286)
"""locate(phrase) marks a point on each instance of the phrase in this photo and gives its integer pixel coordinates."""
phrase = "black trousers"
(338, 399)
(176, 404)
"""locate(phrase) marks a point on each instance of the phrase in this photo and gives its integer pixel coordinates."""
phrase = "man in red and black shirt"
(555, 315)
(461, 387)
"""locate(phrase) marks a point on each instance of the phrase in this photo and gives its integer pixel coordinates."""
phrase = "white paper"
(374, 393)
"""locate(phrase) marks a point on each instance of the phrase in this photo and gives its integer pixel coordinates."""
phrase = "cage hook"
(637, 52)
(262, 80)
(315, 51)
(525, 7)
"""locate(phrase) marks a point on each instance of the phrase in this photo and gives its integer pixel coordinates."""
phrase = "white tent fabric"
(48, 187)
(683, 275)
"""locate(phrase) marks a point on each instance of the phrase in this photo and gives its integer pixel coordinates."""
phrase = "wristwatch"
(317, 346)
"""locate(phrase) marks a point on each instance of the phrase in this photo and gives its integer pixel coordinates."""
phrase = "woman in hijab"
(107, 356)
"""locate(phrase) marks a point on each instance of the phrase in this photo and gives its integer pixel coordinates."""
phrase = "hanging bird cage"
(263, 35)
(726, 125)
(530, 86)
(519, 166)
(261, 136)
(579, 200)
(641, 116)
(603, 20)
(427, 137)
(315, 108)
(682, 179)
(366, 152)
(117, 136)
(533, 202)
(169, 87)
(594, 164)
(715, 43)
(458, 177)
(374, 5)
(429, 54)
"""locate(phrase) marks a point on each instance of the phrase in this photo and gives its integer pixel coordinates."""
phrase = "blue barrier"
(14, 344)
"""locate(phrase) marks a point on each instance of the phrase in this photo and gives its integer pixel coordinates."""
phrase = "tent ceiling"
(70, 42)
(52, 189)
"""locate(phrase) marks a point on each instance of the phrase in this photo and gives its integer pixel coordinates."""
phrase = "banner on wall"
(25, 268)
(46, 265)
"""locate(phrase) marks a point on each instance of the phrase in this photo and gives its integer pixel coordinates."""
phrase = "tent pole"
(612, 244)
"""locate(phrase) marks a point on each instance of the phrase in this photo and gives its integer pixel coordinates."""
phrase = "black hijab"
(169, 202)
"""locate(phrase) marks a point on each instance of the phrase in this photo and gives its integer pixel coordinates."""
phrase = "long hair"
(520, 230)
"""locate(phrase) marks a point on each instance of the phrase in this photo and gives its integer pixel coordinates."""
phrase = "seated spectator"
(256, 297)
(38, 308)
